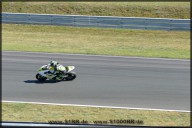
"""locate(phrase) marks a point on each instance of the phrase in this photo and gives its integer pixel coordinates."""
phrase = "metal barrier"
(45, 125)
(98, 21)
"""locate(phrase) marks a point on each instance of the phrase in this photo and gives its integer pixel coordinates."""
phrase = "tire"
(40, 78)
(71, 76)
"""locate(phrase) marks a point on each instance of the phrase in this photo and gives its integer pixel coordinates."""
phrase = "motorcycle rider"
(53, 65)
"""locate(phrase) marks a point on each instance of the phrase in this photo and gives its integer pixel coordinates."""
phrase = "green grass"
(179, 10)
(121, 42)
(26, 112)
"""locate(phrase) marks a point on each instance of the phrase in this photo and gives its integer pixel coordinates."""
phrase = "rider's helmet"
(54, 63)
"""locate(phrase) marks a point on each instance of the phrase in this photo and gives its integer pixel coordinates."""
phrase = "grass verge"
(103, 41)
(27, 112)
(179, 10)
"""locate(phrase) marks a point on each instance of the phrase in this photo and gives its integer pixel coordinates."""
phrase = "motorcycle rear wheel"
(70, 76)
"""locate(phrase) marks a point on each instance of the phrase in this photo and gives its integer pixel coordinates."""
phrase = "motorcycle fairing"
(46, 74)
(70, 68)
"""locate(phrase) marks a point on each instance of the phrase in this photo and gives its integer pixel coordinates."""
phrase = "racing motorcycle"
(60, 75)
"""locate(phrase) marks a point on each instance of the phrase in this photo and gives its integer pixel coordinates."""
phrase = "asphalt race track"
(101, 80)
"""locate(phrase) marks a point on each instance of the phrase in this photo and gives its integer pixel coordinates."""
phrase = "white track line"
(104, 56)
(95, 16)
(78, 105)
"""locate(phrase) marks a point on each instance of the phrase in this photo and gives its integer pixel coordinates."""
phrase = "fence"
(98, 21)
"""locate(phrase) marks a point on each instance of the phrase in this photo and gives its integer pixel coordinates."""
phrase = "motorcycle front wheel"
(40, 78)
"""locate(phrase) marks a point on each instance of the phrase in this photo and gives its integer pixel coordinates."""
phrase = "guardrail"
(45, 125)
(98, 21)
